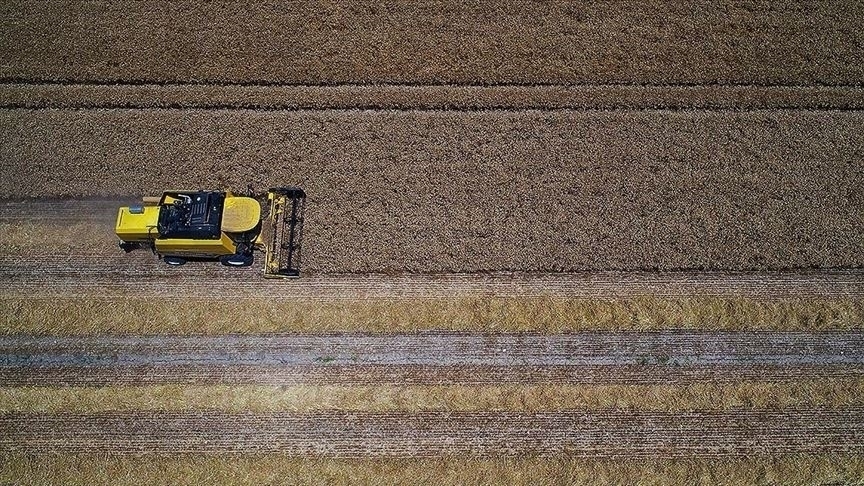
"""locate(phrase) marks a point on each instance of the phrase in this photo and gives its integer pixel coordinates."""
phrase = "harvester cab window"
(191, 215)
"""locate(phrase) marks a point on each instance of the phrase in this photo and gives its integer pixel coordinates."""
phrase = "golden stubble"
(94, 469)
(825, 393)
(250, 315)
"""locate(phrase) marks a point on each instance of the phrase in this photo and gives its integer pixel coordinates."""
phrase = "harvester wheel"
(175, 261)
(237, 260)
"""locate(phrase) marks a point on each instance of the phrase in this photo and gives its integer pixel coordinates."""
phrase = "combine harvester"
(213, 225)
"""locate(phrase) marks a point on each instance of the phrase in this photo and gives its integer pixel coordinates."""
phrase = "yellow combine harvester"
(214, 225)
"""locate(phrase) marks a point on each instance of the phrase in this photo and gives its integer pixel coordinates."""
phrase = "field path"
(659, 357)
(435, 434)
(137, 274)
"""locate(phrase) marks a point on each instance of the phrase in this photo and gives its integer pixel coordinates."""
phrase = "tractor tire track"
(658, 357)
(123, 275)
(399, 375)
(615, 433)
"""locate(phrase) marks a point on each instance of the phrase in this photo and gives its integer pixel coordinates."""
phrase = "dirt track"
(431, 434)
(128, 275)
(447, 349)
(669, 357)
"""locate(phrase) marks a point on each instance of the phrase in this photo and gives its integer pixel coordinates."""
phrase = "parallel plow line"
(397, 375)
(118, 274)
(428, 434)
(423, 358)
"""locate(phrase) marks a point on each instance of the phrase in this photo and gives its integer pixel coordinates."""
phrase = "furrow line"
(679, 348)
(428, 434)
(407, 374)
(103, 276)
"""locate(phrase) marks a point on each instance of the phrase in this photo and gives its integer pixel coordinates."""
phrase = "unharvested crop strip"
(529, 191)
(256, 469)
(204, 83)
(824, 392)
(434, 434)
(439, 41)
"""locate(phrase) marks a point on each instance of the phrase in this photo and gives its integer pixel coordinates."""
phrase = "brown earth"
(756, 41)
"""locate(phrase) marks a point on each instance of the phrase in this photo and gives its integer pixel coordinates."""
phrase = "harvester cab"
(179, 226)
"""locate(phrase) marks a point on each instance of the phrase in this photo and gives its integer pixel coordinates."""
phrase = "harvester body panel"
(192, 248)
(137, 224)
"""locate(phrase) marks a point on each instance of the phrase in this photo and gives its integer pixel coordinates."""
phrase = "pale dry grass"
(256, 470)
(833, 393)
(149, 315)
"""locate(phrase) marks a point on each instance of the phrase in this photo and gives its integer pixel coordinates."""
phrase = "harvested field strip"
(70, 238)
(678, 357)
(758, 469)
(435, 434)
(82, 315)
(431, 97)
(530, 191)
(823, 393)
(57, 212)
(402, 375)
(439, 41)
(673, 348)
(92, 266)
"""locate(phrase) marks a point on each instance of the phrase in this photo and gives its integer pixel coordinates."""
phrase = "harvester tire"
(174, 261)
(237, 260)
